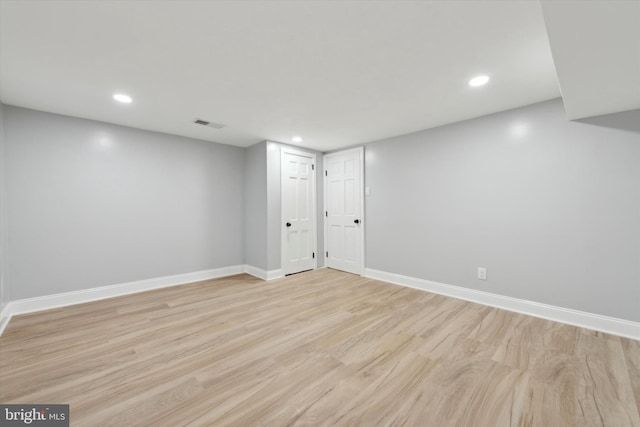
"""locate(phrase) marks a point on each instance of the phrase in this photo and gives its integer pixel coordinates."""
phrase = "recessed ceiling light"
(479, 81)
(296, 139)
(121, 97)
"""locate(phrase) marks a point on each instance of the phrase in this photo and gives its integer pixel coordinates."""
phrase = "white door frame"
(314, 221)
(363, 223)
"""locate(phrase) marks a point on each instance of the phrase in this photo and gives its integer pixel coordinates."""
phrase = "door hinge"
(325, 173)
(313, 167)
(327, 254)
(326, 213)
(313, 255)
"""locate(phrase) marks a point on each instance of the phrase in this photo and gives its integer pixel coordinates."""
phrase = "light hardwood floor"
(317, 348)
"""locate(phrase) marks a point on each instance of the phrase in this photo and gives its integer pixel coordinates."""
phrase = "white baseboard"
(610, 325)
(263, 274)
(47, 302)
(582, 319)
(275, 274)
(5, 317)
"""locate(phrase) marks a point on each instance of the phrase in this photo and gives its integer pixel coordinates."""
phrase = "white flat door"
(344, 203)
(298, 211)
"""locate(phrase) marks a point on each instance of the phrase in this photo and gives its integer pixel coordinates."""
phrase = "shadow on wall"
(627, 120)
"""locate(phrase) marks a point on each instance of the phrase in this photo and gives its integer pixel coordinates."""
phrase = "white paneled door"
(344, 207)
(298, 211)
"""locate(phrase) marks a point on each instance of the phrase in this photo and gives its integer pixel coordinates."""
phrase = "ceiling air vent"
(209, 124)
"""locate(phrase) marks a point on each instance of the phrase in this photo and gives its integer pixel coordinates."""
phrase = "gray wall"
(274, 221)
(4, 297)
(255, 202)
(550, 207)
(274, 204)
(93, 204)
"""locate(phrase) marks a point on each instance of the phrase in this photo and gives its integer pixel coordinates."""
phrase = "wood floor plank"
(322, 348)
(606, 394)
(632, 357)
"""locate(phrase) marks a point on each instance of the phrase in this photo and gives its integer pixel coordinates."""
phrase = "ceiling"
(334, 73)
(596, 47)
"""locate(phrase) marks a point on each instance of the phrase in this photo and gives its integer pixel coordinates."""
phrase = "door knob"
(288, 224)
(357, 221)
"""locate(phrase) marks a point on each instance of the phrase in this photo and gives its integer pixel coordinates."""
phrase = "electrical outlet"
(482, 273)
